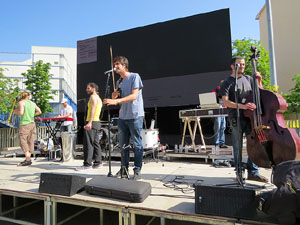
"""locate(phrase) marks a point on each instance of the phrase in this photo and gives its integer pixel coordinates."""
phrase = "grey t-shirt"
(244, 87)
(133, 109)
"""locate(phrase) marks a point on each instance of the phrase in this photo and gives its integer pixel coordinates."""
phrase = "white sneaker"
(83, 168)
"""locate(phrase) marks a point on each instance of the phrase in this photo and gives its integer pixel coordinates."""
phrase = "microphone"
(109, 71)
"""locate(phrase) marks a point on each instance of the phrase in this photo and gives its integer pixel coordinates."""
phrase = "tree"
(242, 48)
(9, 90)
(293, 98)
(38, 83)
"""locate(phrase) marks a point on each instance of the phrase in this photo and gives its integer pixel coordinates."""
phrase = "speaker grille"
(224, 201)
(61, 184)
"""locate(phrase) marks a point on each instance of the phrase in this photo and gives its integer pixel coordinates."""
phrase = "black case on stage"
(225, 201)
(130, 190)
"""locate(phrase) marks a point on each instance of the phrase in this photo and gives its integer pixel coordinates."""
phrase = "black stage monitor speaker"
(235, 202)
(61, 184)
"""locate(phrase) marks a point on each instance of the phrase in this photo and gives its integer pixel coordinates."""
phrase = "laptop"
(208, 101)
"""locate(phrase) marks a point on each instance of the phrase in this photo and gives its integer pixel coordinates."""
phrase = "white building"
(63, 67)
(286, 38)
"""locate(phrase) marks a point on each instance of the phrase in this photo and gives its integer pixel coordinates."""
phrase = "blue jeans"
(131, 128)
(219, 129)
(237, 138)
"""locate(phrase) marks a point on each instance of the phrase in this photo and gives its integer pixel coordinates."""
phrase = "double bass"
(270, 141)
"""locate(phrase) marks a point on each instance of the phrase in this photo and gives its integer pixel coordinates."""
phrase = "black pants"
(91, 145)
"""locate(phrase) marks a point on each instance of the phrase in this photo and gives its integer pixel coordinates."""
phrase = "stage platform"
(169, 203)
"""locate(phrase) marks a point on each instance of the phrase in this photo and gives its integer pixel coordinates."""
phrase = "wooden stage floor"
(167, 202)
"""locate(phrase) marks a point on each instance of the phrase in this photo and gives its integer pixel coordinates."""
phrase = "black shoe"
(25, 163)
(258, 178)
(59, 160)
(81, 168)
(137, 175)
(223, 146)
(97, 166)
(122, 173)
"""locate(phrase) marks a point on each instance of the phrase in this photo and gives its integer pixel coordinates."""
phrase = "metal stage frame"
(21, 203)
(126, 214)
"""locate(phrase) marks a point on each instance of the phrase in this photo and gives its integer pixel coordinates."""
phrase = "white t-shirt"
(65, 111)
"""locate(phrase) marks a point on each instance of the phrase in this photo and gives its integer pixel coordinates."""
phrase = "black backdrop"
(176, 60)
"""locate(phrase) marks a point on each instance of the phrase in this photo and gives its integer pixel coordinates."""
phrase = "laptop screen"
(208, 100)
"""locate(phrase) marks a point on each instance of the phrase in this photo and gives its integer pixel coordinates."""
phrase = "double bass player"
(228, 93)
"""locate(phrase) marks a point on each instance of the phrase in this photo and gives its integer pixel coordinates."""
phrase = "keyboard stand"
(52, 132)
(187, 122)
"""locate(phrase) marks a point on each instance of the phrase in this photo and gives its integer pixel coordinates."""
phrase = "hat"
(64, 100)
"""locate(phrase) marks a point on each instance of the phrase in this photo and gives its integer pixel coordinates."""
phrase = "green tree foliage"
(9, 90)
(243, 48)
(293, 98)
(38, 83)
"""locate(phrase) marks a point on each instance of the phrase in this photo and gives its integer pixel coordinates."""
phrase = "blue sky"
(61, 23)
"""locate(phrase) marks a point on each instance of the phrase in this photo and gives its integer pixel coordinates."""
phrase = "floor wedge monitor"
(61, 184)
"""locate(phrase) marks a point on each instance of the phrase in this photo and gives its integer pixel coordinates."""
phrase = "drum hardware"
(103, 137)
(150, 138)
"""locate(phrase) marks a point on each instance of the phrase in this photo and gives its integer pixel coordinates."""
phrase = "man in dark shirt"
(227, 92)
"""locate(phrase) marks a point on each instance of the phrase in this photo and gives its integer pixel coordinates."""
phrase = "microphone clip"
(237, 65)
(109, 71)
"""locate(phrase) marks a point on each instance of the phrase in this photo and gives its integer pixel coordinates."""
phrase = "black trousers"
(91, 145)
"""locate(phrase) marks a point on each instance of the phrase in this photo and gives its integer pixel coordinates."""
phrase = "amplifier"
(235, 202)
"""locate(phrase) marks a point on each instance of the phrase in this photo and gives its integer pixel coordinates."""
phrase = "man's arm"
(231, 104)
(128, 98)
(69, 111)
(93, 102)
(259, 80)
(37, 110)
(20, 110)
(66, 115)
(115, 94)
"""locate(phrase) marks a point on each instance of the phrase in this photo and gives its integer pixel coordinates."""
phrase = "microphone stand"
(123, 172)
(107, 91)
(239, 170)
